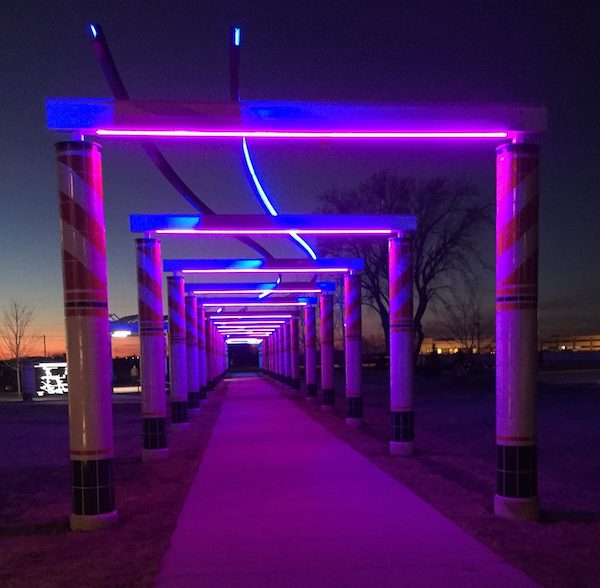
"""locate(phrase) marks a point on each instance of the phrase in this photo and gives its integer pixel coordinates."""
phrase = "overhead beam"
(300, 120)
(260, 224)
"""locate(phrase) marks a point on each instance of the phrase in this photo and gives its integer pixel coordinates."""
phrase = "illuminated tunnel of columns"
(202, 320)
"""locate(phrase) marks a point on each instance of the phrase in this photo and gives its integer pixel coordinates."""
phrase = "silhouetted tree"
(15, 344)
(449, 214)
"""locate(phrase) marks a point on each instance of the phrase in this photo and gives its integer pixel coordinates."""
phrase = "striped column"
(295, 353)
(83, 246)
(193, 373)
(152, 348)
(177, 352)
(353, 335)
(401, 345)
(209, 353)
(276, 344)
(202, 381)
(286, 354)
(517, 202)
(326, 304)
(310, 347)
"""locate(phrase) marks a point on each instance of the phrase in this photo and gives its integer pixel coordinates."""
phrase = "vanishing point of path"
(278, 501)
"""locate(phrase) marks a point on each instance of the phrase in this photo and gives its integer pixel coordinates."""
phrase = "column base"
(295, 383)
(517, 508)
(93, 522)
(354, 422)
(155, 454)
(402, 448)
(311, 391)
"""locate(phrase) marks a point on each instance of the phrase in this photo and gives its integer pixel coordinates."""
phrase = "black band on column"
(311, 390)
(93, 488)
(403, 425)
(355, 407)
(295, 383)
(517, 471)
(155, 433)
(179, 411)
(193, 400)
(328, 396)
(202, 393)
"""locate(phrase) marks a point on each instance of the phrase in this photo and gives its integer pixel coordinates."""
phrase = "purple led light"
(223, 134)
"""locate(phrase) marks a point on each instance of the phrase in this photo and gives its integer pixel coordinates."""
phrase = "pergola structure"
(510, 129)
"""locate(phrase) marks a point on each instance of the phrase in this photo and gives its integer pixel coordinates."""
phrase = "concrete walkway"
(279, 501)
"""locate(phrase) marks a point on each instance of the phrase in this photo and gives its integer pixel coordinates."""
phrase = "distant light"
(94, 31)
(121, 334)
(228, 134)
(220, 309)
(237, 34)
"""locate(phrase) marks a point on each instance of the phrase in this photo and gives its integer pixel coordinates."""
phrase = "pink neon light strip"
(187, 134)
(258, 270)
(227, 232)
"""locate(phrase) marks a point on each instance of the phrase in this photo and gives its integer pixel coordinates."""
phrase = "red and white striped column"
(517, 203)
(353, 336)
(202, 376)
(83, 245)
(152, 348)
(401, 345)
(177, 352)
(193, 374)
(209, 354)
(295, 353)
(287, 364)
(310, 348)
(327, 390)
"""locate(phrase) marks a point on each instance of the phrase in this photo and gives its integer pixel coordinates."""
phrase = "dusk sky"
(392, 52)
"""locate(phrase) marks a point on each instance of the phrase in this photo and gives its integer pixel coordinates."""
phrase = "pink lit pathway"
(280, 502)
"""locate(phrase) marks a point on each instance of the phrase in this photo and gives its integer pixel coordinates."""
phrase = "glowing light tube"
(240, 134)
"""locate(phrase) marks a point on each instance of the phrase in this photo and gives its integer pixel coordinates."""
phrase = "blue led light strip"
(265, 199)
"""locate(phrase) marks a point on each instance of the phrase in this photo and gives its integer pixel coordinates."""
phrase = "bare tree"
(464, 319)
(449, 214)
(15, 344)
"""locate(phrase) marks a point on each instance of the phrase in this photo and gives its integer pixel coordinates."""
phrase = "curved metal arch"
(117, 87)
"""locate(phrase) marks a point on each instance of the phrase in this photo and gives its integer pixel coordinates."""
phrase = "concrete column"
(202, 352)
(285, 345)
(401, 345)
(517, 202)
(209, 354)
(310, 347)
(152, 348)
(295, 353)
(83, 245)
(327, 390)
(177, 352)
(353, 345)
(193, 373)
(277, 344)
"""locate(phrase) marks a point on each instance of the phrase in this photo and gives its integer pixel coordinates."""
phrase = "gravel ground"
(453, 470)
(36, 547)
